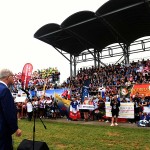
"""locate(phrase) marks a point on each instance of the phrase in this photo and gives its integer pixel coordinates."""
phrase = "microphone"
(25, 91)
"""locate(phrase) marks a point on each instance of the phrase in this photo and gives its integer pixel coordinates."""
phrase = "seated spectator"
(144, 120)
(144, 116)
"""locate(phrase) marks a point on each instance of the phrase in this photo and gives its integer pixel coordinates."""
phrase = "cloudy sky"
(20, 19)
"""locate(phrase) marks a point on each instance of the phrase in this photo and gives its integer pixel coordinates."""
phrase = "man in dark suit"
(8, 114)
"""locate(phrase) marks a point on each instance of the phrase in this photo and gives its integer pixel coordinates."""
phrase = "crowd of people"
(43, 107)
(112, 77)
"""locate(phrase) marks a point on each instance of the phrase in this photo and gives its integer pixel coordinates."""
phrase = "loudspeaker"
(28, 145)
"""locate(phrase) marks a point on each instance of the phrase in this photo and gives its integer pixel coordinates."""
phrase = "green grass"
(70, 136)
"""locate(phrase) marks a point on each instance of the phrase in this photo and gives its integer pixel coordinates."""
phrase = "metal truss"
(114, 50)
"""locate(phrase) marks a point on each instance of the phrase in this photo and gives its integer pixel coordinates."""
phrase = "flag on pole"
(85, 88)
(85, 92)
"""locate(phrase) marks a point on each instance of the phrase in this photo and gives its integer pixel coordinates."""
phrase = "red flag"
(26, 74)
(65, 93)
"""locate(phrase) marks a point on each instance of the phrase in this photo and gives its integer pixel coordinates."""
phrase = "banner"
(126, 110)
(51, 92)
(85, 88)
(85, 92)
(141, 89)
(26, 74)
(89, 107)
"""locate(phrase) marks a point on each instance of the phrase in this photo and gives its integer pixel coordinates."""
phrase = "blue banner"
(85, 92)
(53, 91)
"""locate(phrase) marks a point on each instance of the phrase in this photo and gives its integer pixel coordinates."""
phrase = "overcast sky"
(20, 19)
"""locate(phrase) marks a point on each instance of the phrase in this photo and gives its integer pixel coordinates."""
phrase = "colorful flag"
(66, 94)
(74, 113)
(63, 105)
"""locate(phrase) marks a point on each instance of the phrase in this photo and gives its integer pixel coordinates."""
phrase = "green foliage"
(71, 136)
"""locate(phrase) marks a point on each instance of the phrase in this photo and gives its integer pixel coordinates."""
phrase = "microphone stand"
(34, 119)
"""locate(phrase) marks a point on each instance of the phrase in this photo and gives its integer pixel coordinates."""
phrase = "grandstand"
(111, 31)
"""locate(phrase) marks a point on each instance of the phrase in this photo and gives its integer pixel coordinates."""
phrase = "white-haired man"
(8, 114)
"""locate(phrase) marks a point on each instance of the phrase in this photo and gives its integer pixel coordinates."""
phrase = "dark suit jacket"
(8, 115)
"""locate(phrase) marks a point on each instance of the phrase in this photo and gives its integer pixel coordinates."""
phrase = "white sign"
(89, 107)
(20, 99)
(126, 110)
(14, 94)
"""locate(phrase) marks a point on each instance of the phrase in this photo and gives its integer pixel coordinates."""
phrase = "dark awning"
(117, 21)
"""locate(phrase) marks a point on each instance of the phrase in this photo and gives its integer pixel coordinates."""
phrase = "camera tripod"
(34, 117)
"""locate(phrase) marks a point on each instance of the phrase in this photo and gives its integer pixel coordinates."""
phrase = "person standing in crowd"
(35, 104)
(41, 107)
(30, 110)
(101, 107)
(74, 109)
(19, 110)
(24, 110)
(142, 104)
(86, 111)
(136, 100)
(115, 104)
(8, 111)
(96, 110)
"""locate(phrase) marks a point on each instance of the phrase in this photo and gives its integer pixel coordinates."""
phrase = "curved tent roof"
(130, 18)
(117, 21)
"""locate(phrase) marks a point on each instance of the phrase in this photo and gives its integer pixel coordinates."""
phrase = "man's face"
(10, 80)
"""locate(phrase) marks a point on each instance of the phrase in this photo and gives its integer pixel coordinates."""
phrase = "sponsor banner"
(26, 74)
(89, 107)
(141, 89)
(126, 110)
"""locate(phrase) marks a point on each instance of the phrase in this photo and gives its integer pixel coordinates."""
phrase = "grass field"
(70, 136)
